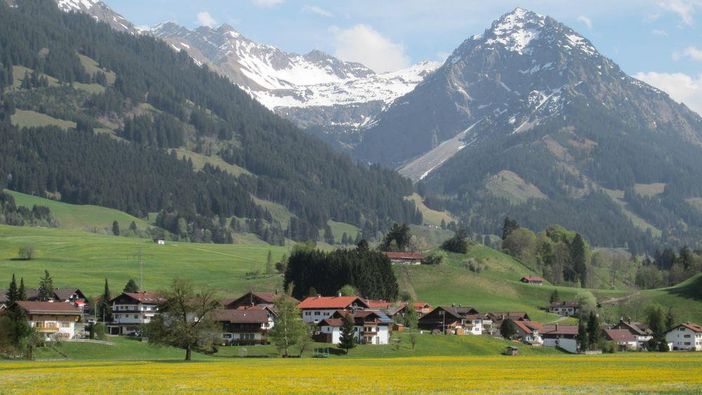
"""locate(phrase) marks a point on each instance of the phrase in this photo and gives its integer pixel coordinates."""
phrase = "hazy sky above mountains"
(657, 41)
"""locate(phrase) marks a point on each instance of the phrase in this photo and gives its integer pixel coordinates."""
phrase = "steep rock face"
(100, 11)
(524, 69)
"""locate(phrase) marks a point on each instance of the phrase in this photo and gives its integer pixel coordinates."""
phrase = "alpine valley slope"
(529, 120)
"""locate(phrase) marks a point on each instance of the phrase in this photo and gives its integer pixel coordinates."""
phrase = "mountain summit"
(529, 120)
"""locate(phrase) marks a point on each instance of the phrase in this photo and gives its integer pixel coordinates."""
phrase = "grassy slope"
(431, 217)
(81, 259)
(80, 217)
(32, 119)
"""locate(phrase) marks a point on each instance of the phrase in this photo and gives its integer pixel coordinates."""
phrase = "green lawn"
(81, 217)
(76, 258)
(33, 119)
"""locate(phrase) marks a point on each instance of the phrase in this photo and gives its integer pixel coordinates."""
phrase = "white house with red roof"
(54, 320)
(685, 337)
(405, 258)
(131, 310)
(626, 341)
(316, 308)
(529, 332)
(370, 327)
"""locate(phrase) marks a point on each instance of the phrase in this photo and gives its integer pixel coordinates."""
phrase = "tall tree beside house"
(347, 340)
(289, 327)
(508, 329)
(185, 318)
(411, 318)
(578, 256)
(115, 228)
(669, 319)
(12, 294)
(593, 330)
(555, 297)
(21, 291)
(657, 323)
(583, 339)
(131, 286)
(46, 287)
(104, 312)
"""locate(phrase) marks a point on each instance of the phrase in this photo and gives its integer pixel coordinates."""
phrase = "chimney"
(338, 294)
(556, 327)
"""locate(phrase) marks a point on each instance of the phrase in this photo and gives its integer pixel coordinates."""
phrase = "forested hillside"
(90, 116)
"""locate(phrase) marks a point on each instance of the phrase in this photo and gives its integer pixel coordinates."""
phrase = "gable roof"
(331, 302)
(53, 308)
(635, 328)
(557, 329)
(65, 293)
(620, 335)
(404, 256)
(243, 316)
(144, 297)
(512, 315)
(377, 304)
(526, 328)
(689, 325)
(254, 297)
(333, 322)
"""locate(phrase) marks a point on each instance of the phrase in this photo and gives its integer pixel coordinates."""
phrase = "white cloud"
(362, 43)
(693, 53)
(659, 32)
(205, 19)
(681, 87)
(313, 9)
(267, 3)
(585, 21)
(685, 9)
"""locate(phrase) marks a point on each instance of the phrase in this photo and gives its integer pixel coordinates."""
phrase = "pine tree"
(22, 291)
(115, 228)
(46, 287)
(593, 330)
(104, 311)
(555, 297)
(508, 227)
(347, 340)
(131, 286)
(578, 256)
(582, 338)
(12, 292)
(508, 328)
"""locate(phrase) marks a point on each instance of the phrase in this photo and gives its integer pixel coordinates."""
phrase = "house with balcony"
(317, 308)
(685, 337)
(55, 321)
(565, 309)
(131, 310)
(245, 325)
(370, 327)
(455, 320)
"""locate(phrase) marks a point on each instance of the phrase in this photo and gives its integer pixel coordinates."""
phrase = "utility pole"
(139, 256)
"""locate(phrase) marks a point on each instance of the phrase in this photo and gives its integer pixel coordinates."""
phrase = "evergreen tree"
(22, 291)
(12, 292)
(578, 256)
(508, 329)
(555, 297)
(115, 228)
(131, 286)
(508, 227)
(669, 320)
(269, 263)
(46, 287)
(104, 310)
(347, 340)
(583, 339)
(133, 226)
(398, 238)
(593, 330)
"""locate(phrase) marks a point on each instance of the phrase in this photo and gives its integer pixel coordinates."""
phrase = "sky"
(657, 41)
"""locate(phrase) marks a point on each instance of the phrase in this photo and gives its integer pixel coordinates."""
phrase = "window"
(65, 324)
(307, 313)
(686, 336)
(136, 316)
(316, 313)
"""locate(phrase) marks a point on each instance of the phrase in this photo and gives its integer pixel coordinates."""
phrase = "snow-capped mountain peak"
(515, 30)
(76, 5)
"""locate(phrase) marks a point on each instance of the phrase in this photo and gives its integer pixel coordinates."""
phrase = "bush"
(474, 266)
(609, 347)
(434, 259)
(457, 244)
(99, 331)
(26, 253)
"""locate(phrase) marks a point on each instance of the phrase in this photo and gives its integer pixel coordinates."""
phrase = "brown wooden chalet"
(444, 317)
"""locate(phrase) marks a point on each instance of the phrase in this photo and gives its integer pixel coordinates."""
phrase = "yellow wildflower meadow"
(671, 372)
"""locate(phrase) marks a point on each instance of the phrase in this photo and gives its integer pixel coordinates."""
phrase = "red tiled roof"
(49, 308)
(330, 302)
(693, 327)
(522, 325)
(377, 304)
(558, 329)
(333, 322)
(620, 335)
(533, 279)
(145, 297)
(247, 316)
(405, 256)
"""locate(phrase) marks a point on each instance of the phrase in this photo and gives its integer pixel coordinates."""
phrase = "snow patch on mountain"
(76, 5)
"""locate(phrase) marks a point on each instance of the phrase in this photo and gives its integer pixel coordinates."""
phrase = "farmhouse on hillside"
(316, 308)
(245, 325)
(685, 337)
(565, 309)
(528, 332)
(55, 321)
(131, 310)
(533, 280)
(405, 258)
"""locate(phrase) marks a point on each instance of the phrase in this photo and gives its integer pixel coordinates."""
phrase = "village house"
(565, 309)
(245, 325)
(685, 337)
(399, 310)
(405, 258)
(316, 308)
(254, 298)
(55, 321)
(370, 327)
(528, 332)
(533, 280)
(72, 296)
(626, 341)
(131, 310)
(563, 336)
(493, 320)
(453, 320)
(640, 331)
